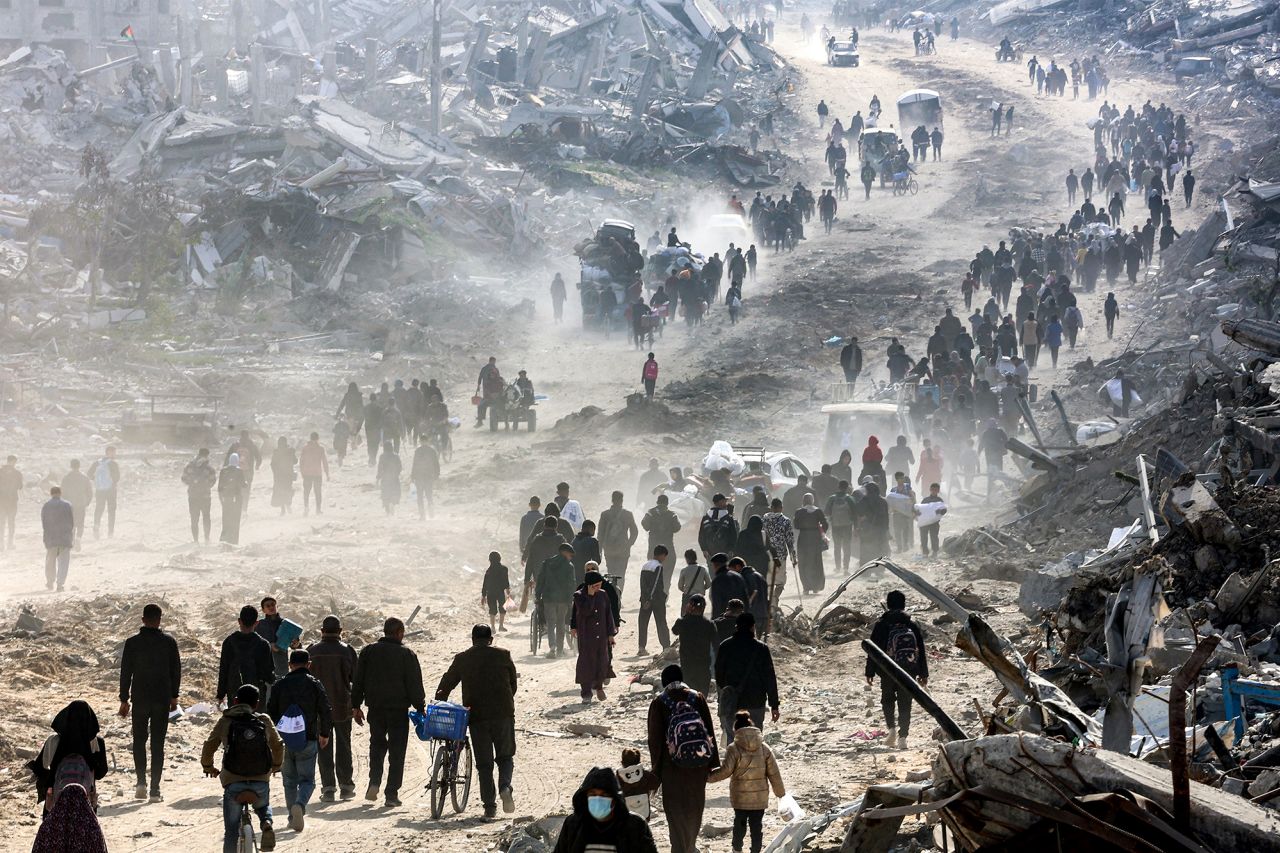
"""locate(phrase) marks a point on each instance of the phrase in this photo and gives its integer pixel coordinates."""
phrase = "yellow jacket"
(751, 769)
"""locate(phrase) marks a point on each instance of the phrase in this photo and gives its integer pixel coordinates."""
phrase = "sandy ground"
(363, 565)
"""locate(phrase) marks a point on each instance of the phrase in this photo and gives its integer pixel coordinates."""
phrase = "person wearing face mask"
(600, 822)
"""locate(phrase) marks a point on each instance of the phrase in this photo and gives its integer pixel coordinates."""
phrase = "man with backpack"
(245, 657)
(251, 752)
(150, 674)
(745, 675)
(682, 753)
(899, 636)
(389, 680)
(304, 721)
(718, 530)
(694, 578)
(842, 512)
(105, 474)
(200, 478)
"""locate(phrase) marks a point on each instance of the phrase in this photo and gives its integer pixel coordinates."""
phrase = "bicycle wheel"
(914, 186)
(246, 843)
(439, 783)
(461, 788)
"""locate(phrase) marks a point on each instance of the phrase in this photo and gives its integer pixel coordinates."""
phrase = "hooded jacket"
(751, 769)
(625, 831)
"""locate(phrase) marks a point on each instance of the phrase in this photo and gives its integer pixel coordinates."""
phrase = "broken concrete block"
(1222, 822)
(1231, 593)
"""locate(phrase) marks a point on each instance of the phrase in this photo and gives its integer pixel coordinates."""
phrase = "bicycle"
(903, 184)
(246, 841)
(535, 628)
(442, 442)
(445, 725)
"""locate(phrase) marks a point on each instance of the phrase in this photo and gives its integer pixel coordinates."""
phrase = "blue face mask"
(600, 807)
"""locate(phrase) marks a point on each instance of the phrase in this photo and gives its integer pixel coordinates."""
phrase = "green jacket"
(556, 580)
(488, 678)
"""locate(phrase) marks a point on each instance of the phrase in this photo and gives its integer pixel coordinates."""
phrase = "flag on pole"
(127, 32)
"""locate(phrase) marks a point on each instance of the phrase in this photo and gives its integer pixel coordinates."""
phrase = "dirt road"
(888, 269)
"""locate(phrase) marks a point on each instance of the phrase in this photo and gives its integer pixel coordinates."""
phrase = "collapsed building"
(282, 151)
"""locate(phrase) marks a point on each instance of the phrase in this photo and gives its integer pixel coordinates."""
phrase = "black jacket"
(727, 585)
(245, 659)
(746, 664)
(698, 638)
(880, 636)
(624, 831)
(333, 662)
(389, 676)
(150, 668)
(488, 678)
(303, 689)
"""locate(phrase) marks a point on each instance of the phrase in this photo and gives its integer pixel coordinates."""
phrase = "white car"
(725, 228)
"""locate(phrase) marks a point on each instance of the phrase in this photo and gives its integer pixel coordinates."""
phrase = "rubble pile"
(287, 160)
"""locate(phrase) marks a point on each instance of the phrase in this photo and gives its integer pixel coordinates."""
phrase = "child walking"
(752, 770)
(494, 590)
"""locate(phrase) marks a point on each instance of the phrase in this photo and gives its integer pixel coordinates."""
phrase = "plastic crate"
(446, 721)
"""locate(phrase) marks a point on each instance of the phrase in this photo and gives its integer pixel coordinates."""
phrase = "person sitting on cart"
(435, 419)
(525, 386)
(660, 297)
(489, 679)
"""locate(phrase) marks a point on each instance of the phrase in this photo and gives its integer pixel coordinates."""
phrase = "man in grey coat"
(59, 523)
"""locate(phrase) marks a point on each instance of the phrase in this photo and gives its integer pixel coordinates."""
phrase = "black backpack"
(247, 752)
(722, 533)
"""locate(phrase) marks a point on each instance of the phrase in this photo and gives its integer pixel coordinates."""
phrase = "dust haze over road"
(889, 268)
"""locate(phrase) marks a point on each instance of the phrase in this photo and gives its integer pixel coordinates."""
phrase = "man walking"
(333, 663)
(77, 490)
(1073, 184)
(900, 638)
(105, 474)
(662, 525)
(313, 465)
(59, 523)
(554, 584)
(745, 675)
(150, 675)
(245, 657)
(488, 678)
(10, 486)
(682, 753)
(268, 628)
(304, 720)
(200, 479)
(389, 680)
(424, 473)
(698, 642)
(842, 513)
(617, 533)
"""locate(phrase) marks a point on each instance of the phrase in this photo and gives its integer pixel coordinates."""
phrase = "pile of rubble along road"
(306, 156)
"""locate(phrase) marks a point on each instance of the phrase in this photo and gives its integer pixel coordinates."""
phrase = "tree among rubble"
(124, 231)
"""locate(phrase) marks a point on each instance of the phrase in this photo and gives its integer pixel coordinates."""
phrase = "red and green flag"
(127, 32)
